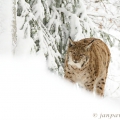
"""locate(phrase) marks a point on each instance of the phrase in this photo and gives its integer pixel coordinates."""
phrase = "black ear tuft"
(69, 37)
(71, 42)
(89, 45)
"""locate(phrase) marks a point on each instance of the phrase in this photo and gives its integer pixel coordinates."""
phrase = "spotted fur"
(87, 62)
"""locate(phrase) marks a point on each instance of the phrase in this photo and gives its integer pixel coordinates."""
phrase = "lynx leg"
(100, 85)
(89, 85)
(68, 77)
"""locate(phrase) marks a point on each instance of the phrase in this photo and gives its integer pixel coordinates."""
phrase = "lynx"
(86, 63)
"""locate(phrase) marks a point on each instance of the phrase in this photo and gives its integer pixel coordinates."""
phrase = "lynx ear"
(71, 42)
(89, 45)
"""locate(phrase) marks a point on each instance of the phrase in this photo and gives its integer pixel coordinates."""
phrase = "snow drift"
(28, 91)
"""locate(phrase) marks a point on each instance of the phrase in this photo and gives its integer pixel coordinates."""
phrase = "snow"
(75, 28)
(25, 44)
(105, 14)
(29, 91)
(38, 10)
(5, 27)
(113, 80)
(114, 33)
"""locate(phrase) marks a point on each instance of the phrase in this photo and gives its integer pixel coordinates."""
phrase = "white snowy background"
(28, 91)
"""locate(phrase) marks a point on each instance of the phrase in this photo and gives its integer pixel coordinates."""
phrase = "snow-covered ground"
(28, 91)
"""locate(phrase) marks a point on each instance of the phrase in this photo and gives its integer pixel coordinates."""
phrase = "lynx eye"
(73, 53)
(81, 55)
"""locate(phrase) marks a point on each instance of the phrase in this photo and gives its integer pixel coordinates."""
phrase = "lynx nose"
(75, 61)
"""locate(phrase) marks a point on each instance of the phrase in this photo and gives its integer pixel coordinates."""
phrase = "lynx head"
(79, 53)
